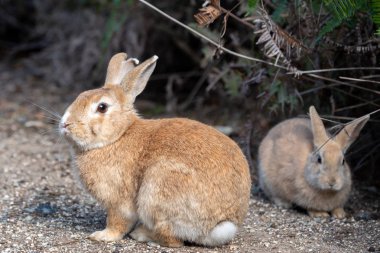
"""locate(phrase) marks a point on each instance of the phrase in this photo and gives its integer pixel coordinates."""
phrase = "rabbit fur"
(164, 181)
(299, 163)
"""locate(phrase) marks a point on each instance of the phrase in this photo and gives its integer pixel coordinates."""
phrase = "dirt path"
(43, 209)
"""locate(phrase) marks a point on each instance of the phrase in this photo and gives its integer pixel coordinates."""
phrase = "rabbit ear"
(118, 67)
(350, 132)
(319, 131)
(136, 79)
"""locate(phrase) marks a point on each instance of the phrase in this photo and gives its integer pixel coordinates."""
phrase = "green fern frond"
(341, 10)
(375, 12)
(329, 27)
(344, 9)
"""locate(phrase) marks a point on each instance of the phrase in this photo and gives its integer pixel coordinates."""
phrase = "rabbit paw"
(318, 214)
(106, 235)
(338, 213)
(282, 203)
(140, 234)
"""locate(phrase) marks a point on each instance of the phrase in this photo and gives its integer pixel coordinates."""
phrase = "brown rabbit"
(167, 180)
(299, 163)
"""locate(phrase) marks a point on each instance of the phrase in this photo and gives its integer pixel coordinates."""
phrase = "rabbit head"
(326, 168)
(99, 117)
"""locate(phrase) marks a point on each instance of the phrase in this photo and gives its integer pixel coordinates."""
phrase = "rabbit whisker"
(52, 113)
(51, 118)
(49, 132)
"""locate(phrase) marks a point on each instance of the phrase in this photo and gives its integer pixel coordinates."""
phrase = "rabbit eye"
(343, 161)
(102, 108)
(319, 159)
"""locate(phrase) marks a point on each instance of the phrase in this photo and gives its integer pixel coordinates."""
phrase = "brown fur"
(177, 177)
(289, 171)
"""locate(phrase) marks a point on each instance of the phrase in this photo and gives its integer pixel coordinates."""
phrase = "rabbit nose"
(64, 124)
(332, 183)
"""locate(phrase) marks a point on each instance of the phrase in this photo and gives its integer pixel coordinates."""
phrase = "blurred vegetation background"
(67, 44)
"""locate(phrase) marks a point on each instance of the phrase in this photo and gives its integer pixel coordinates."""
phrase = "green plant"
(251, 6)
(232, 81)
(345, 10)
(375, 11)
(282, 97)
(281, 8)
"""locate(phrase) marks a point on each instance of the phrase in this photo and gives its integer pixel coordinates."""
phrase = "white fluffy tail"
(221, 234)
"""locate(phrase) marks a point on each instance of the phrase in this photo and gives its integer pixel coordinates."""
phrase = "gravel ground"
(43, 208)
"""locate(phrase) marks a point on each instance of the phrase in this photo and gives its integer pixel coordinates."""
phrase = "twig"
(351, 119)
(356, 106)
(333, 69)
(371, 76)
(341, 126)
(361, 161)
(344, 83)
(354, 96)
(333, 86)
(216, 79)
(208, 39)
(362, 146)
(226, 50)
(196, 88)
(227, 12)
(358, 80)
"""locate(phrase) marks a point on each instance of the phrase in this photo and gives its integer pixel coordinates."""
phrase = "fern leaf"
(344, 9)
(356, 49)
(278, 43)
(341, 11)
(375, 11)
(328, 27)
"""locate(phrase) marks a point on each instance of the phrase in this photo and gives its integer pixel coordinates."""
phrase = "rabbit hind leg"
(161, 235)
(221, 234)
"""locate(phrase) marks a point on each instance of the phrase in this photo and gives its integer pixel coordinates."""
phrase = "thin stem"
(333, 69)
(245, 56)
(350, 119)
(358, 80)
(208, 39)
(344, 83)
(355, 106)
(371, 76)
(237, 18)
(360, 162)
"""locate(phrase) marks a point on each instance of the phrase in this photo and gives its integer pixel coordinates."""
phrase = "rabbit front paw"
(106, 235)
(338, 213)
(318, 214)
(282, 203)
(140, 234)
